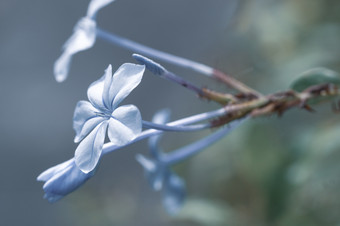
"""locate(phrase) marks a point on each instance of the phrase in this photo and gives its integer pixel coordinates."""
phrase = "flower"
(62, 179)
(174, 193)
(162, 178)
(159, 174)
(92, 118)
(83, 37)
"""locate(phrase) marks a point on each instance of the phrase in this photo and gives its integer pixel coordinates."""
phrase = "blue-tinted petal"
(51, 197)
(89, 149)
(161, 117)
(125, 79)
(85, 119)
(99, 91)
(95, 93)
(125, 124)
(62, 66)
(151, 65)
(83, 37)
(49, 173)
(88, 127)
(65, 180)
(106, 88)
(147, 164)
(174, 193)
(154, 172)
(96, 5)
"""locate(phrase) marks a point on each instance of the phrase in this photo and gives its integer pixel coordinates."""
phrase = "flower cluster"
(102, 114)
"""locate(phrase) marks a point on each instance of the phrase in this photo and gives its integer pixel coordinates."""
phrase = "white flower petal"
(147, 164)
(88, 127)
(51, 197)
(96, 5)
(62, 66)
(66, 179)
(83, 37)
(174, 193)
(125, 125)
(49, 173)
(161, 117)
(95, 93)
(89, 150)
(106, 88)
(130, 116)
(85, 119)
(118, 133)
(154, 172)
(125, 79)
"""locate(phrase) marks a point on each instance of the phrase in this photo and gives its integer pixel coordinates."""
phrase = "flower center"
(104, 115)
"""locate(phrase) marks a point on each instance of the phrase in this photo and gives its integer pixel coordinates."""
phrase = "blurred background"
(271, 171)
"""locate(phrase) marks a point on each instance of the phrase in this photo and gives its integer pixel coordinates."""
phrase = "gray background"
(263, 43)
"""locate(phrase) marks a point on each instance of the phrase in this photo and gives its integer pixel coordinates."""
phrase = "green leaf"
(315, 76)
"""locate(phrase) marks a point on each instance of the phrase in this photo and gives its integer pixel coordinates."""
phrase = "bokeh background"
(271, 171)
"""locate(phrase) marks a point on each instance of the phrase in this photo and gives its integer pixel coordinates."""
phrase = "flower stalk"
(189, 128)
(205, 93)
(194, 148)
(176, 60)
(110, 147)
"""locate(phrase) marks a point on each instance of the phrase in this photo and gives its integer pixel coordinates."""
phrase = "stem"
(222, 98)
(176, 60)
(109, 147)
(151, 125)
(159, 70)
(142, 49)
(177, 79)
(233, 83)
(246, 106)
(161, 117)
(191, 149)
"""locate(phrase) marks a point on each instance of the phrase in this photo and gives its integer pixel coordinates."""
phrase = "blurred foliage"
(286, 171)
(315, 76)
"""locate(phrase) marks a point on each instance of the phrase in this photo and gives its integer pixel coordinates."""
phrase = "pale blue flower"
(154, 171)
(92, 118)
(83, 37)
(174, 193)
(159, 174)
(62, 179)
(161, 177)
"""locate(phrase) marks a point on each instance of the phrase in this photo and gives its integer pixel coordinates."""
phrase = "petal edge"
(89, 150)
